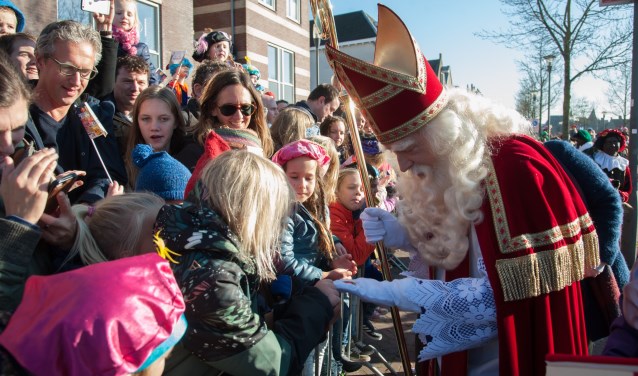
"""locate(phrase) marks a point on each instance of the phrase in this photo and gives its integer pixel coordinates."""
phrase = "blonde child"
(307, 249)
(290, 125)
(224, 240)
(335, 128)
(350, 198)
(313, 254)
(126, 32)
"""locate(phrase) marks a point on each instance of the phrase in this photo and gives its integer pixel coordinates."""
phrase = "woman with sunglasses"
(229, 100)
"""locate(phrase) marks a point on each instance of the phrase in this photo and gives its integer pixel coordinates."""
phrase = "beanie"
(584, 135)
(160, 173)
(110, 318)
(184, 63)
(370, 144)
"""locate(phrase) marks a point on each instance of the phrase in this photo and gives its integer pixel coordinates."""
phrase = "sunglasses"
(246, 109)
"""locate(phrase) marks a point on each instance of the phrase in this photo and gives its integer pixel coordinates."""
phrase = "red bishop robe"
(536, 239)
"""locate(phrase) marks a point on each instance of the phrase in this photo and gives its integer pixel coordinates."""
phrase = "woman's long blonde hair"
(289, 126)
(208, 102)
(114, 227)
(253, 197)
(331, 176)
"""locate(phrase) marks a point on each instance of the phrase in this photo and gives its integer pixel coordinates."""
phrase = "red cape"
(536, 239)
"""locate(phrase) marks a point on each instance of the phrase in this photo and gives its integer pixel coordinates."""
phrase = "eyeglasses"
(67, 69)
(246, 109)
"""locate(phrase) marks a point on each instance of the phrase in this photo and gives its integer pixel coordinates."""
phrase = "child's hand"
(336, 274)
(341, 250)
(344, 262)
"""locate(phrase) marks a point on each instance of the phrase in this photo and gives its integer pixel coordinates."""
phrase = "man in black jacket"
(66, 54)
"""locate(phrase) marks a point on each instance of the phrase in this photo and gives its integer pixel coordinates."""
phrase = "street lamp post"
(604, 126)
(549, 59)
(533, 111)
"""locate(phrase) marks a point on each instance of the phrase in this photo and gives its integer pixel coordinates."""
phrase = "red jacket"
(350, 232)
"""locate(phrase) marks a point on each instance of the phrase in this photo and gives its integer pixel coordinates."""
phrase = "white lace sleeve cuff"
(455, 316)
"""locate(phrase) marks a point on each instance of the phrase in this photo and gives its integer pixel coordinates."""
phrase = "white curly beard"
(437, 229)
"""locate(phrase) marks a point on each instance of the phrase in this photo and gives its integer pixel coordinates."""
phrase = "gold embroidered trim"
(416, 123)
(405, 81)
(541, 273)
(380, 96)
(507, 244)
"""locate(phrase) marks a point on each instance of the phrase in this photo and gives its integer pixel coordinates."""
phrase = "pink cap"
(303, 148)
(103, 319)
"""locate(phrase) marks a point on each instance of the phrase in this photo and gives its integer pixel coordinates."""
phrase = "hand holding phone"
(62, 184)
(96, 6)
(24, 187)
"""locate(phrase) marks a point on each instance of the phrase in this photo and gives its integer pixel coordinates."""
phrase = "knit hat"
(303, 148)
(184, 63)
(582, 134)
(160, 173)
(18, 12)
(600, 140)
(251, 69)
(370, 145)
(110, 318)
(399, 77)
(207, 40)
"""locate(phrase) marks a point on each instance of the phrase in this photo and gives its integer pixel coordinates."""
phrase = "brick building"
(165, 25)
(272, 33)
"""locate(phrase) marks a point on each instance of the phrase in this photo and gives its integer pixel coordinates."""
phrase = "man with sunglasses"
(66, 54)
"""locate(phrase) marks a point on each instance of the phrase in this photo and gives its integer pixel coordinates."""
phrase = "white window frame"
(297, 16)
(155, 53)
(267, 4)
(277, 81)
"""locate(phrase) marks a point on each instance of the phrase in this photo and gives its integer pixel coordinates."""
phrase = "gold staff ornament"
(324, 21)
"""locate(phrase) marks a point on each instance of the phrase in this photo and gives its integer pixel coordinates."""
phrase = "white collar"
(607, 162)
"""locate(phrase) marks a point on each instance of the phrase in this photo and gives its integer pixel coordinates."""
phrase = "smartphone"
(96, 6)
(56, 186)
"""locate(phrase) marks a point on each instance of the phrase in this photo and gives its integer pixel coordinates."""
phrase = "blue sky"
(448, 27)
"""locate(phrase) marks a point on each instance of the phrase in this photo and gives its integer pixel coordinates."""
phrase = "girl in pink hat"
(112, 318)
(308, 250)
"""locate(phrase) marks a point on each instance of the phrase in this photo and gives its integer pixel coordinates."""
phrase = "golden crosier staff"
(324, 21)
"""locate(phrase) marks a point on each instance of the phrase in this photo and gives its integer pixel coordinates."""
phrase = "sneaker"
(369, 330)
(355, 356)
(363, 348)
(350, 366)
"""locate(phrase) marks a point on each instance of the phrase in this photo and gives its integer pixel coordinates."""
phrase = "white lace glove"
(384, 293)
(378, 224)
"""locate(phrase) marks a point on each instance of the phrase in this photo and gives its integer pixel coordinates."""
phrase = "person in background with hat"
(484, 205)
(114, 318)
(11, 18)
(582, 138)
(178, 83)
(606, 153)
(254, 74)
(217, 46)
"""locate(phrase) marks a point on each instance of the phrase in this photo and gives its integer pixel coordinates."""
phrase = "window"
(293, 10)
(149, 29)
(281, 73)
(269, 3)
(71, 10)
